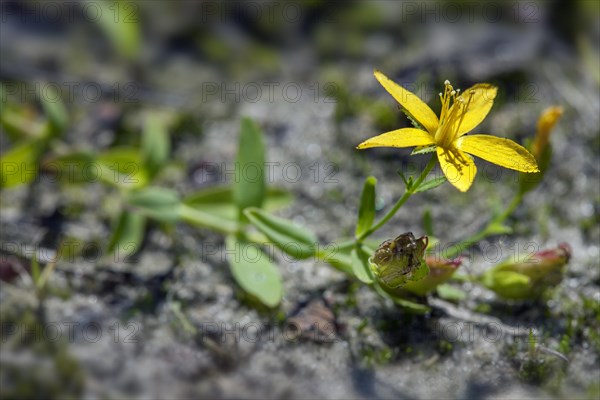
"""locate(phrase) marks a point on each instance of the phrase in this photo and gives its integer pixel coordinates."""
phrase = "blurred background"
(93, 73)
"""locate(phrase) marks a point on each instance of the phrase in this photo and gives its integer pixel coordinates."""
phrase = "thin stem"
(401, 200)
(510, 209)
(486, 231)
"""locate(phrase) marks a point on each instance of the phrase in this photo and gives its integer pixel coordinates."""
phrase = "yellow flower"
(460, 114)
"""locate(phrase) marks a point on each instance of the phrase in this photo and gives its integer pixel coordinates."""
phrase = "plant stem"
(509, 210)
(488, 230)
(409, 192)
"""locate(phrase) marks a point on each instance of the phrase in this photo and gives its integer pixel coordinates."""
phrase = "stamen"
(465, 108)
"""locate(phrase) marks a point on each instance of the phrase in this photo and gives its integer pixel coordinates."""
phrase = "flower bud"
(546, 122)
(541, 148)
(440, 271)
(400, 260)
(528, 278)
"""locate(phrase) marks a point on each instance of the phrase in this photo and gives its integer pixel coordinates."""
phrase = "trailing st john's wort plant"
(401, 268)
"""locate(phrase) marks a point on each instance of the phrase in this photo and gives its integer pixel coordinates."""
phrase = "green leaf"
(206, 220)
(155, 202)
(433, 241)
(127, 236)
(366, 211)
(294, 240)
(277, 198)
(18, 165)
(253, 271)
(54, 108)
(77, 167)
(424, 149)
(219, 201)
(35, 268)
(410, 306)
(498, 229)
(156, 145)
(412, 119)
(430, 184)
(406, 183)
(361, 266)
(249, 186)
(19, 124)
(123, 167)
(451, 293)
(428, 224)
(338, 259)
(120, 22)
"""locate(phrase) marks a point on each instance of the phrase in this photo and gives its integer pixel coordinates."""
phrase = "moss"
(372, 356)
(535, 370)
(444, 347)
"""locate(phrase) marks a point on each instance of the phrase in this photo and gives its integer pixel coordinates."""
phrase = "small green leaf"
(156, 145)
(155, 202)
(294, 240)
(18, 124)
(35, 268)
(430, 184)
(428, 224)
(424, 149)
(403, 179)
(339, 260)
(499, 229)
(219, 201)
(249, 187)
(75, 167)
(253, 271)
(366, 211)
(127, 236)
(410, 306)
(120, 22)
(18, 165)
(54, 108)
(205, 219)
(451, 293)
(122, 167)
(412, 119)
(361, 266)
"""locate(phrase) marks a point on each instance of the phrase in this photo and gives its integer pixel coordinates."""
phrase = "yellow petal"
(500, 151)
(405, 137)
(458, 167)
(480, 103)
(410, 102)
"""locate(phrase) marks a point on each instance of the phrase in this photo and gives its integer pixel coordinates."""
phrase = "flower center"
(454, 108)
